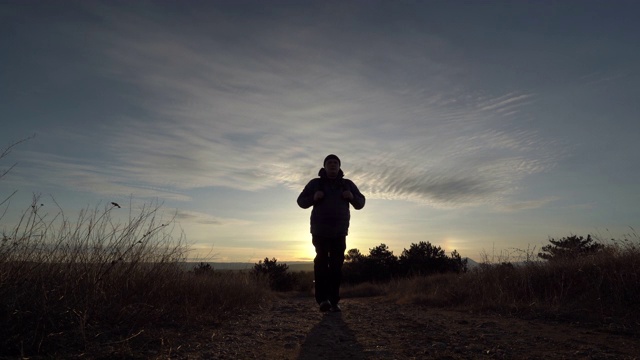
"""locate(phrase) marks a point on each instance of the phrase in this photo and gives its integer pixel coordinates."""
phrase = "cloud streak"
(195, 217)
(91, 176)
(265, 110)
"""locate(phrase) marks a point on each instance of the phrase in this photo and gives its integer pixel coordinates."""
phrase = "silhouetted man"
(330, 196)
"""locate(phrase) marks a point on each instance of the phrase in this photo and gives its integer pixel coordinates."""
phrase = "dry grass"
(363, 290)
(95, 283)
(606, 285)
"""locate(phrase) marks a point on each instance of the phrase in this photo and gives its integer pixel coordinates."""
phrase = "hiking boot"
(335, 308)
(325, 306)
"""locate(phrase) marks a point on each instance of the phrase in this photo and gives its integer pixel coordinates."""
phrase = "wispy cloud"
(526, 205)
(262, 111)
(505, 103)
(187, 216)
(92, 176)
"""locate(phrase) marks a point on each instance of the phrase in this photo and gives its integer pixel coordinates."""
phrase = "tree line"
(421, 259)
(379, 265)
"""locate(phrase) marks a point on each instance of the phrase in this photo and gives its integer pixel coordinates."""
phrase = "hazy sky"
(481, 126)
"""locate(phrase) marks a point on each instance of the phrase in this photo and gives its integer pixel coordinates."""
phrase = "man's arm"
(305, 199)
(358, 199)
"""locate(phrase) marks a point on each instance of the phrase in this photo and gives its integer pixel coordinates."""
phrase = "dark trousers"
(327, 267)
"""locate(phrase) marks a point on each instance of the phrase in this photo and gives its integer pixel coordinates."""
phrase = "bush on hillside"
(424, 259)
(278, 276)
(203, 269)
(569, 248)
(379, 265)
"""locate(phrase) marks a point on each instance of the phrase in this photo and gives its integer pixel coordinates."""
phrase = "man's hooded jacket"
(330, 215)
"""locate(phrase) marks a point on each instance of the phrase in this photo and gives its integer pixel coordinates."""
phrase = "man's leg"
(321, 269)
(336, 260)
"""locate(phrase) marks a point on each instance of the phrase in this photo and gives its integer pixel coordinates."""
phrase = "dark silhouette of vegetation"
(582, 279)
(569, 248)
(382, 265)
(354, 270)
(354, 255)
(456, 263)
(379, 265)
(424, 259)
(70, 285)
(278, 276)
(203, 269)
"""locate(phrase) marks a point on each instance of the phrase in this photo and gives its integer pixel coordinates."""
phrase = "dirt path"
(370, 328)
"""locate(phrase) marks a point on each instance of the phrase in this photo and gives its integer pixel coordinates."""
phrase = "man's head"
(332, 166)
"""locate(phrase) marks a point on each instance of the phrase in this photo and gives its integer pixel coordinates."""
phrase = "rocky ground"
(372, 328)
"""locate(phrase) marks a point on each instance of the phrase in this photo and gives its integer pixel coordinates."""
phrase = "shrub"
(424, 258)
(203, 269)
(279, 278)
(570, 247)
(381, 265)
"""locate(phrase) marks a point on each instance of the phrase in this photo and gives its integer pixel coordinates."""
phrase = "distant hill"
(301, 266)
(294, 266)
(471, 263)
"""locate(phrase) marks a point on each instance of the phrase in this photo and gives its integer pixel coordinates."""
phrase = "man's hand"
(318, 195)
(347, 195)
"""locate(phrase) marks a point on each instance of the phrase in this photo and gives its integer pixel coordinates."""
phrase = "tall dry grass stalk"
(96, 280)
